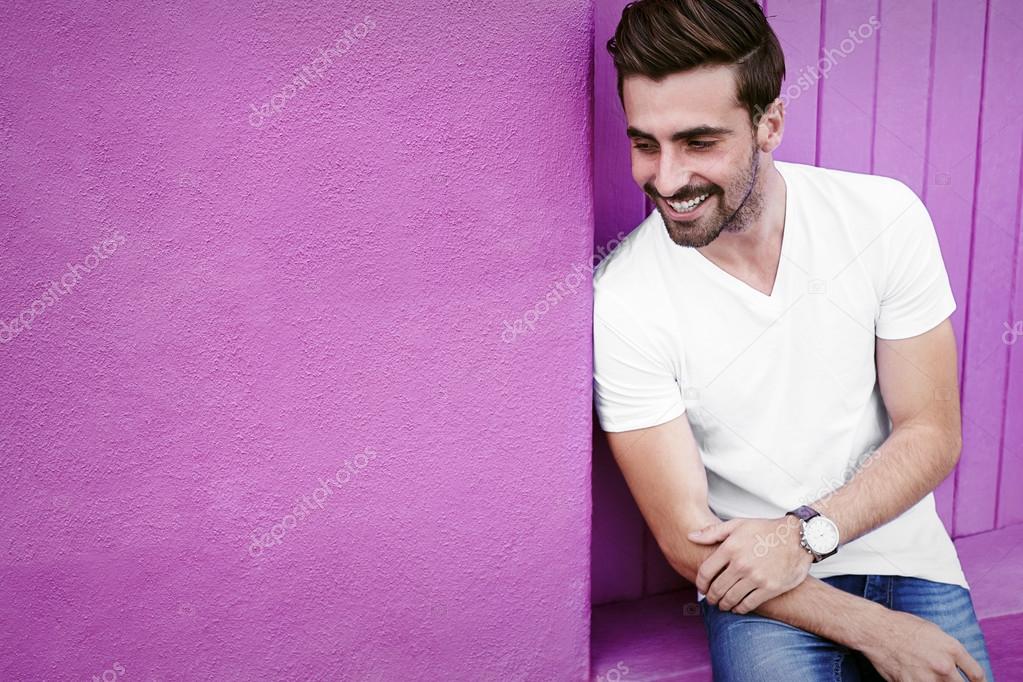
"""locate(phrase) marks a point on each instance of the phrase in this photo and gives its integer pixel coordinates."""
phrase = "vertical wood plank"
(949, 190)
(797, 25)
(903, 84)
(846, 116)
(958, 55)
(994, 246)
(660, 576)
(1008, 16)
(1010, 502)
(617, 556)
(618, 202)
(618, 560)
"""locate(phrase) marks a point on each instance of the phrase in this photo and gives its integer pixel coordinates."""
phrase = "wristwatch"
(817, 533)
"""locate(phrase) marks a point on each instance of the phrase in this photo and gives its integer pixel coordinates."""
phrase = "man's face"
(693, 142)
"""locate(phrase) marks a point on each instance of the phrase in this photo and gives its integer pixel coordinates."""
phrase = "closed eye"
(698, 145)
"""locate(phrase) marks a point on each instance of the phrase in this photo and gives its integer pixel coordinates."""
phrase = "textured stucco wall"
(294, 322)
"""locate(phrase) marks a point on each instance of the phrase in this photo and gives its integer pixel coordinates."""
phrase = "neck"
(761, 243)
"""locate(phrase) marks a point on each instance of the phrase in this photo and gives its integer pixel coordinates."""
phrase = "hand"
(906, 648)
(758, 559)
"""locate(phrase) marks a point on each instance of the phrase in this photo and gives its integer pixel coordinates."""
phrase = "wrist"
(867, 627)
(863, 627)
(794, 531)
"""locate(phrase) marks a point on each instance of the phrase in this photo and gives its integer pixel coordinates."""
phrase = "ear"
(771, 126)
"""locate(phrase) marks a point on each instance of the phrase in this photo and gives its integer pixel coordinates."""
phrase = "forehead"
(702, 96)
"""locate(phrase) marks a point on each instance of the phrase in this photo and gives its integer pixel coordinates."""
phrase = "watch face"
(821, 534)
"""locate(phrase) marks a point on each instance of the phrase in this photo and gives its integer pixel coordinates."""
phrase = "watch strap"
(804, 512)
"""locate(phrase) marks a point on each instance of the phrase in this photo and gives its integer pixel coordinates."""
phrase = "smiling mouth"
(687, 206)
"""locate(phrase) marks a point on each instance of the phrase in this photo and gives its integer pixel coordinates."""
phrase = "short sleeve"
(634, 386)
(916, 295)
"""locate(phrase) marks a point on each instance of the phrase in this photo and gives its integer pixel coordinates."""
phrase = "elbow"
(941, 444)
(954, 445)
(685, 567)
(945, 445)
(685, 556)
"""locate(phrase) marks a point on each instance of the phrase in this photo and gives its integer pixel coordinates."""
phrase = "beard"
(738, 206)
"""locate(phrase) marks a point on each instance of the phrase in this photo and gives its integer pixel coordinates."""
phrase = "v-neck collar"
(733, 282)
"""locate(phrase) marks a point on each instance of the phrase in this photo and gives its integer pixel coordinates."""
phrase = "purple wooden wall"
(927, 94)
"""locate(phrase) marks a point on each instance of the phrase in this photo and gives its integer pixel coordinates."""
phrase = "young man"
(774, 365)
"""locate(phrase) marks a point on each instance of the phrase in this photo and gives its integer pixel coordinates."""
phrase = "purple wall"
(297, 327)
(929, 97)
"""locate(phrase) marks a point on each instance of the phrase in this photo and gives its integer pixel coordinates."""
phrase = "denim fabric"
(752, 648)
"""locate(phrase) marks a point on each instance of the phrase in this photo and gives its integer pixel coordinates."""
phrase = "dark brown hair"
(656, 38)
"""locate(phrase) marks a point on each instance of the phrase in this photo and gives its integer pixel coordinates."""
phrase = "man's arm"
(664, 472)
(919, 384)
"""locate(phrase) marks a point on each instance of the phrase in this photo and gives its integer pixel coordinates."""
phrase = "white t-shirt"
(781, 391)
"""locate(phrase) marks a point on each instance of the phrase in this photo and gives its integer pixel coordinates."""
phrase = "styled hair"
(656, 38)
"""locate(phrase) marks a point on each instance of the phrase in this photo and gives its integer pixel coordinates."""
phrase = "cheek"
(737, 179)
(643, 169)
(712, 168)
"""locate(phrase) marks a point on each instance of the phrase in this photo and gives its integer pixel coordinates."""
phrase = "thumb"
(716, 532)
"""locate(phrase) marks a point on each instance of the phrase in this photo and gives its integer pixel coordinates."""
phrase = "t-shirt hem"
(632, 425)
(911, 328)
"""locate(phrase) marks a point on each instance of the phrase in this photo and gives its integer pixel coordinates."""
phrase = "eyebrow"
(689, 133)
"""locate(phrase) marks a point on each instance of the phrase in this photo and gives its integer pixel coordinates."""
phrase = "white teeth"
(686, 206)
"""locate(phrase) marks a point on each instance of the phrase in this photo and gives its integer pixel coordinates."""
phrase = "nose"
(672, 173)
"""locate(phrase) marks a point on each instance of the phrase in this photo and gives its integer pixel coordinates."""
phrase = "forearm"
(896, 643)
(684, 555)
(909, 464)
(824, 610)
(813, 605)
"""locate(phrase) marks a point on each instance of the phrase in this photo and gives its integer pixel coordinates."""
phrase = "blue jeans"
(752, 648)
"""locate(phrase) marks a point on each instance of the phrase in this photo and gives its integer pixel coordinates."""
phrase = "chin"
(690, 234)
(695, 241)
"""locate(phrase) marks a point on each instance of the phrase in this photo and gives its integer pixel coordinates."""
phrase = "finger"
(968, 664)
(710, 568)
(735, 594)
(715, 532)
(721, 584)
(751, 601)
